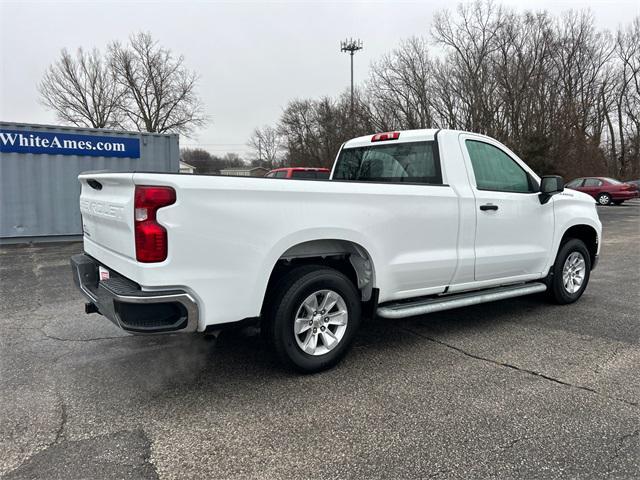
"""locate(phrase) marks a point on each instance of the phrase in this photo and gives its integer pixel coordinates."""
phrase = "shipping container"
(39, 166)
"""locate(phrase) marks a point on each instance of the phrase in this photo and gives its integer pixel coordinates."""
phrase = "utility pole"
(351, 46)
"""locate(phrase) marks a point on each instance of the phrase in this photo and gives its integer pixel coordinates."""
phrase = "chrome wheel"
(604, 199)
(321, 322)
(573, 272)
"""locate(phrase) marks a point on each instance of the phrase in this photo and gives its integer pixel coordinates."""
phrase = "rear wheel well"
(585, 233)
(347, 257)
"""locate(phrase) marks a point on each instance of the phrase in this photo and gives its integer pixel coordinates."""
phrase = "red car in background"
(605, 190)
(300, 173)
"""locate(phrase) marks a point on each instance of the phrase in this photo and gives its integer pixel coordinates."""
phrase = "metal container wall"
(39, 192)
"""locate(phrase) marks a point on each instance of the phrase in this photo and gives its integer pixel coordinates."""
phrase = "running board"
(424, 306)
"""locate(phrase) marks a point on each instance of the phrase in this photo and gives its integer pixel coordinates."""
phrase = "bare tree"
(532, 82)
(299, 129)
(313, 130)
(205, 162)
(198, 158)
(401, 82)
(159, 91)
(623, 116)
(470, 38)
(82, 91)
(562, 93)
(267, 145)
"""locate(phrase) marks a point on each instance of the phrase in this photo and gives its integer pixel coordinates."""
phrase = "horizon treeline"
(559, 91)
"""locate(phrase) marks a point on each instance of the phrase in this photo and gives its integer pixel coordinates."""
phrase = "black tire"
(557, 290)
(604, 199)
(282, 307)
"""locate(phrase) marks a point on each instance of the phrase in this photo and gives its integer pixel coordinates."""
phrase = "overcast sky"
(252, 57)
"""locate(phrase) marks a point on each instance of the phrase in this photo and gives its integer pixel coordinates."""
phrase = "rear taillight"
(151, 237)
(628, 186)
(381, 137)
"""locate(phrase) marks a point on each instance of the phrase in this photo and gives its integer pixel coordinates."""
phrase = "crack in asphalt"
(600, 366)
(62, 450)
(619, 447)
(60, 339)
(511, 444)
(63, 423)
(438, 473)
(520, 369)
(623, 439)
(42, 328)
(59, 435)
(148, 456)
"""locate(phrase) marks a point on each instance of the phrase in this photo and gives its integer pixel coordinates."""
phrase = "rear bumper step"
(438, 304)
(131, 308)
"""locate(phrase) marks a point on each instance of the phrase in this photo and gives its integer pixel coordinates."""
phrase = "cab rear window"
(411, 162)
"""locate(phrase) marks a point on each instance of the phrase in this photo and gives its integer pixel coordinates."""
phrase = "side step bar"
(430, 305)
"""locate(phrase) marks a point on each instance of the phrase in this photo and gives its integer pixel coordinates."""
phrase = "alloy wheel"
(320, 322)
(573, 272)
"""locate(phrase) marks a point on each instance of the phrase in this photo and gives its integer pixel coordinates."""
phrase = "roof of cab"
(405, 136)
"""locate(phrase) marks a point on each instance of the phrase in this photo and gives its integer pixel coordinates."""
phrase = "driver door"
(514, 231)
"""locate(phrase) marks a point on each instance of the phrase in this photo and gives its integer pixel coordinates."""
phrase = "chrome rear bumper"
(128, 306)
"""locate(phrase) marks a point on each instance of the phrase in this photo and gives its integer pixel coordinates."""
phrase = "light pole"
(351, 46)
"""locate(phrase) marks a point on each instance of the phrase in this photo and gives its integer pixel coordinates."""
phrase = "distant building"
(186, 168)
(244, 172)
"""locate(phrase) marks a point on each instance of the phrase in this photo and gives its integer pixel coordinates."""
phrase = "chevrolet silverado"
(410, 223)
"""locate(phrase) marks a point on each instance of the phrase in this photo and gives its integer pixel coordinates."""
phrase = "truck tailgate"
(106, 204)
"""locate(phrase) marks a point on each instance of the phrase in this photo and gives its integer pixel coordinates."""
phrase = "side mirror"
(549, 186)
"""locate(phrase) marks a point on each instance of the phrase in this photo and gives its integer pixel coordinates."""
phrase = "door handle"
(488, 206)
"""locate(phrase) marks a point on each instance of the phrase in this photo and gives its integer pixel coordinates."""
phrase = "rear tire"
(570, 273)
(604, 199)
(305, 341)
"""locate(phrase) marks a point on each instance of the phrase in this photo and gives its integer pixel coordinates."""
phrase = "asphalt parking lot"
(513, 389)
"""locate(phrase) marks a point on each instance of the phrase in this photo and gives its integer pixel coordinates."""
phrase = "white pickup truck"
(409, 223)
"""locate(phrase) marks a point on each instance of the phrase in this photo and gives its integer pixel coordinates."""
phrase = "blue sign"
(52, 143)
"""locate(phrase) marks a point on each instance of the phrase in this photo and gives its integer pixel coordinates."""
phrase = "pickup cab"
(410, 223)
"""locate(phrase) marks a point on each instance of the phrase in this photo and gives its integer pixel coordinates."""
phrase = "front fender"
(572, 209)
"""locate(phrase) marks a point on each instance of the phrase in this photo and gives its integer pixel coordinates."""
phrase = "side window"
(281, 174)
(574, 183)
(592, 182)
(495, 170)
(270, 174)
(414, 162)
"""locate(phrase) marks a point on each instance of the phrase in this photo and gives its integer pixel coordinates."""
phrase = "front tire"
(570, 272)
(311, 318)
(604, 199)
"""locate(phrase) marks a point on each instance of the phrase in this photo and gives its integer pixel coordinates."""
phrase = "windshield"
(414, 162)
